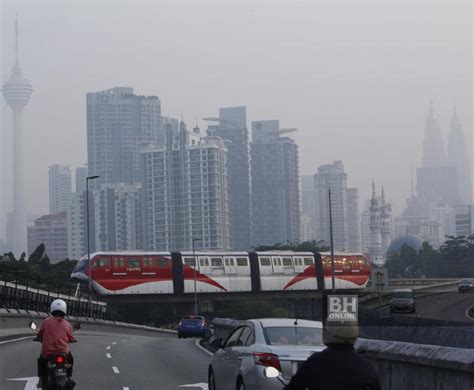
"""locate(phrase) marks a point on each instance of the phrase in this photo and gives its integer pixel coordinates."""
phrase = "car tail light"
(267, 359)
(59, 359)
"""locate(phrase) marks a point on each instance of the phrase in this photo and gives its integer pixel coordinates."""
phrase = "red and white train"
(220, 272)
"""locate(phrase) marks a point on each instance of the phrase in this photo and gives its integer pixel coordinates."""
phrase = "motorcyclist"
(55, 334)
(339, 366)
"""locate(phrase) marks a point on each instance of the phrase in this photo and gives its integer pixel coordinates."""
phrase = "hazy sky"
(355, 78)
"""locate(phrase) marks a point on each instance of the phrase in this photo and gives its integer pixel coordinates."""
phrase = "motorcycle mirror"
(271, 372)
(77, 326)
(32, 325)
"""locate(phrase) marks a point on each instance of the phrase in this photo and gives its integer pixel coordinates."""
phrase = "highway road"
(447, 305)
(113, 361)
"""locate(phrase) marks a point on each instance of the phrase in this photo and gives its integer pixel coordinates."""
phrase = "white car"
(241, 359)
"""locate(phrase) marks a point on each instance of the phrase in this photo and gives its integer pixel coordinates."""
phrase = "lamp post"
(195, 266)
(332, 245)
(88, 241)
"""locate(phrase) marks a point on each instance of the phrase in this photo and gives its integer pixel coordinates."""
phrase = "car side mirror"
(216, 343)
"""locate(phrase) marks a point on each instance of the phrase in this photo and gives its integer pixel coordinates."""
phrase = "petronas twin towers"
(456, 158)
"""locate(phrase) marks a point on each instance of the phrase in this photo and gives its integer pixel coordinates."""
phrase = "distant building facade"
(60, 191)
(81, 175)
(77, 227)
(380, 225)
(232, 127)
(308, 208)
(118, 123)
(464, 220)
(50, 230)
(345, 208)
(275, 185)
(186, 192)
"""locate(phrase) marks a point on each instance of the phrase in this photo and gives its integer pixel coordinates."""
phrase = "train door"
(299, 265)
(231, 273)
(101, 269)
(242, 278)
(266, 273)
(119, 272)
(148, 266)
(134, 270)
(288, 271)
(164, 269)
(276, 281)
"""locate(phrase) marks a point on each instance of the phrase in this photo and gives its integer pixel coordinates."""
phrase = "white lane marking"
(30, 382)
(13, 340)
(116, 370)
(114, 343)
(109, 356)
(196, 343)
(202, 386)
(108, 347)
(467, 313)
(125, 388)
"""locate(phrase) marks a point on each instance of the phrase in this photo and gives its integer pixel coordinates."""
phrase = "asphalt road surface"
(448, 306)
(113, 361)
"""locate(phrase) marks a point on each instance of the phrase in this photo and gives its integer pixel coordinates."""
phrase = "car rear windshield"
(403, 294)
(293, 335)
(191, 321)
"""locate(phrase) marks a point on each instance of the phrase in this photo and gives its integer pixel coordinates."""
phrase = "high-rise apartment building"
(464, 220)
(275, 185)
(308, 208)
(118, 123)
(186, 192)
(353, 220)
(331, 176)
(50, 230)
(232, 127)
(81, 174)
(60, 191)
(115, 220)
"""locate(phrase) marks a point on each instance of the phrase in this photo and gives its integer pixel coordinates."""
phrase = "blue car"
(193, 326)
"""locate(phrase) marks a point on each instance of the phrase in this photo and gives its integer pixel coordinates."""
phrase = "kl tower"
(17, 92)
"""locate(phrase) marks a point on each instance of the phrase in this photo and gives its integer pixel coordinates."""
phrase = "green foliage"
(455, 258)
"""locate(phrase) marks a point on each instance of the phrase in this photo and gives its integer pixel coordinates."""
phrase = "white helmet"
(58, 305)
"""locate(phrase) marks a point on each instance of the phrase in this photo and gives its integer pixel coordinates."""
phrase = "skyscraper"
(186, 193)
(458, 158)
(60, 191)
(17, 92)
(353, 220)
(331, 176)
(118, 123)
(275, 185)
(232, 127)
(433, 146)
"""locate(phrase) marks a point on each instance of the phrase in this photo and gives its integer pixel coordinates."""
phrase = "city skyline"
(317, 130)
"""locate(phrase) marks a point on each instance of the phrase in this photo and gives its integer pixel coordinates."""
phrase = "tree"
(306, 246)
(38, 254)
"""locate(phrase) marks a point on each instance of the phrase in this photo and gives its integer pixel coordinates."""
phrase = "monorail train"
(220, 272)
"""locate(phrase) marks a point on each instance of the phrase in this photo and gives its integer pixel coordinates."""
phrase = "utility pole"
(88, 241)
(332, 245)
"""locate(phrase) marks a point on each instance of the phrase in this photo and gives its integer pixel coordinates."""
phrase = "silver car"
(241, 359)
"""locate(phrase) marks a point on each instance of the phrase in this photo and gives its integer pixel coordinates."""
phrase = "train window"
(202, 262)
(265, 261)
(206, 260)
(231, 262)
(279, 261)
(308, 261)
(227, 262)
(163, 262)
(287, 262)
(242, 262)
(100, 263)
(118, 262)
(133, 263)
(188, 261)
(216, 261)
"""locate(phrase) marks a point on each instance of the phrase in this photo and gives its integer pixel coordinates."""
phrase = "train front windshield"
(80, 266)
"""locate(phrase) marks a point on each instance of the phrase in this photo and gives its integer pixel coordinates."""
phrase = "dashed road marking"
(108, 347)
(109, 356)
(114, 343)
(116, 370)
(125, 388)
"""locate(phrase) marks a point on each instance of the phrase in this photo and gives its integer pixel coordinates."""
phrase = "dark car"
(193, 326)
(466, 286)
(403, 300)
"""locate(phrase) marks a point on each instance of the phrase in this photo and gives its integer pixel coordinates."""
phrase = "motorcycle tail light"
(267, 359)
(59, 359)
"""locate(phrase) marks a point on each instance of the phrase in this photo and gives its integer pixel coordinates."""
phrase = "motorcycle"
(58, 367)
(272, 372)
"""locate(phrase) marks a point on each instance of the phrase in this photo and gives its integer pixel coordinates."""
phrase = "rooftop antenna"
(16, 40)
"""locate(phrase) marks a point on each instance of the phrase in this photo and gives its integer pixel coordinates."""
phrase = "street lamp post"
(332, 245)
(88, 241)
(195, 266)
